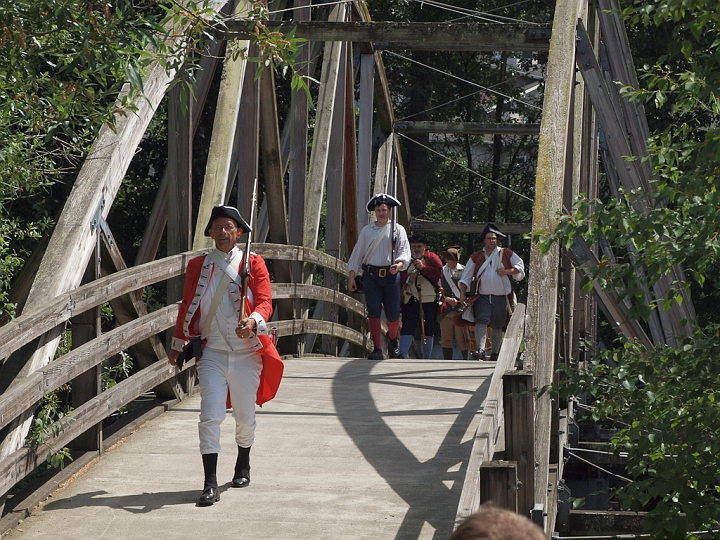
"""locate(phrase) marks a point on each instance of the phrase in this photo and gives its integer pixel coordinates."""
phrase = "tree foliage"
(63, 66)
(665, 405)
(665, 400)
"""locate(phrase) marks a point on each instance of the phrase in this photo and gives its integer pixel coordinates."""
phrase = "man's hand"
(418, 263)
(452, 302)
(172, 357)
(352, 286)
(463, 297)
(395, 268)
(246, 328)
(506, 271)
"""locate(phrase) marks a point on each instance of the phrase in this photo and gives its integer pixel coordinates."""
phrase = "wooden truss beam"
(469, 128)
(449, 36)
(584, 260)
(467, 228)
(621, 141)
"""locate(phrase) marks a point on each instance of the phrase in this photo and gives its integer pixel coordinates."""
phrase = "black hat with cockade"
(491, 228)
(228, 212)
(382, 198)
(418, 238)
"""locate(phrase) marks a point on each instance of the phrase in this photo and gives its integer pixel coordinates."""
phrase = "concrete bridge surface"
(349, 449)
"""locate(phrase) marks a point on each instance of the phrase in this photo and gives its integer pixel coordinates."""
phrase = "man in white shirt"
(491, 268)
(381, 252)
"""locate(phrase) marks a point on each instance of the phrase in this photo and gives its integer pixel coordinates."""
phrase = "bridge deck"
(348, 449)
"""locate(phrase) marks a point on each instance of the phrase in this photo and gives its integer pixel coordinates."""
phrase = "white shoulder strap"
(375, 244)
(229, 268)
(214, 305)
(479, 273)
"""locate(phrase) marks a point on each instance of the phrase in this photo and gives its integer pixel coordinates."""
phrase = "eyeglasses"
(228, 228)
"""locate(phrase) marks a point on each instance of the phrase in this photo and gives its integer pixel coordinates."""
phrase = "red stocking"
(375, 332)
(393, 329)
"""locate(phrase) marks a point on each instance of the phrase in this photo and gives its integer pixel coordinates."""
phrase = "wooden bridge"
(516, 456)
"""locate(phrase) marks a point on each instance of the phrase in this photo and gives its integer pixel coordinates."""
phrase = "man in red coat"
(237, 355)
(421, 283)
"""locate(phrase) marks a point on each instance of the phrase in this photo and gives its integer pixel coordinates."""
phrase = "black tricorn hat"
(382, 198)
(491, 228)
(228, 212)
(418, 238)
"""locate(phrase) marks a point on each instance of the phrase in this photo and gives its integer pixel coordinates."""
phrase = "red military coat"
(259, 300)
(432, 271)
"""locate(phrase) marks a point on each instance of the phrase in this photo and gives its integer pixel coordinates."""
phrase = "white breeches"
(240, 372)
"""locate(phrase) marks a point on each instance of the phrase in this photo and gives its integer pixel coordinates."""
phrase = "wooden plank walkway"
(350, 448)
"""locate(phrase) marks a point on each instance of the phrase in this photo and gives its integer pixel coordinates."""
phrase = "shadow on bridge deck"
(348, 449)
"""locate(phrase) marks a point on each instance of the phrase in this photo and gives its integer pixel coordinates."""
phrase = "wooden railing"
(25, 393)
(487, 478)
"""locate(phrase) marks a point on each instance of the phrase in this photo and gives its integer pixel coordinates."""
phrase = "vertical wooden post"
(320, 153)
(179, 197)
(350, 186)
(298, 145)
(85, 328)
(246, 133)
(220, 167)
(519, 411)
(367, 74)
(543, 269)
(499, 484)
(589, 170)
(273, 172)
(385, 165)
(334, 209)
(179, 224)
(298, 163)
(273, 176)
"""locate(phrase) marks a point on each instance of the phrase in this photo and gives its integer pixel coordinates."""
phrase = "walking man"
(451, 274)
(490, 269)
(421, 284)
(381, 252)
(237, 354)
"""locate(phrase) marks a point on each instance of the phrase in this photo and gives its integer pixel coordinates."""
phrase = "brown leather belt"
(379, 271)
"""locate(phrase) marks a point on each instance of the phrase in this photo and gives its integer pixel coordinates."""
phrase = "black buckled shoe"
(394, 348)
(377, 354)
(478, 355)
(241, 480)
(209, 497)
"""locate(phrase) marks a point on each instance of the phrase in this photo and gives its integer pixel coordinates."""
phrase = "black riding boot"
(447, 353)
(210, 494)
(241, 478)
